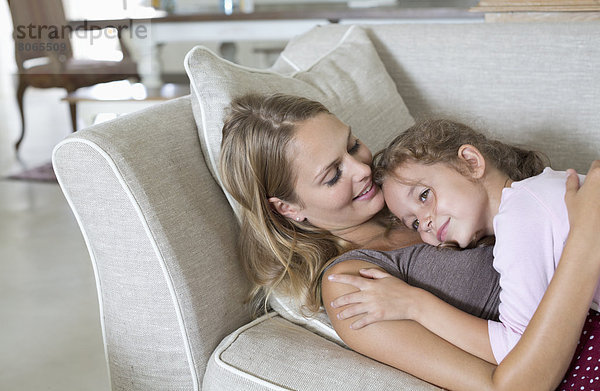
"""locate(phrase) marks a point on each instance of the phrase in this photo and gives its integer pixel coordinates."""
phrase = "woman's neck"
(377, 234)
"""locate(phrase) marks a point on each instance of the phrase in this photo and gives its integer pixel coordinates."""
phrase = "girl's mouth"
(442, 233)
(366, 194)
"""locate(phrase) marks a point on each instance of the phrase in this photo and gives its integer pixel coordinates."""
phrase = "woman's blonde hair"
(277, 252)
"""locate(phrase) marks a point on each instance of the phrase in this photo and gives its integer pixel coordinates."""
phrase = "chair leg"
(73, 108)
(20, 96)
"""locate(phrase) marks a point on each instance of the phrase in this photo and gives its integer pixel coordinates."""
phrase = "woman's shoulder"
(383, 259)
(392, 261)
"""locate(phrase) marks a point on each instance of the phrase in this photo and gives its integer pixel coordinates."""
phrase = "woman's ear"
(286, 209)
(474, 160)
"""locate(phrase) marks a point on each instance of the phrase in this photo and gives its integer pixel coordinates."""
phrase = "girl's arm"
(389, 298)
(544, 352)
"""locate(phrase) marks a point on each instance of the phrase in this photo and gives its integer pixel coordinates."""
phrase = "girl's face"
(333, 171)
(439, 202)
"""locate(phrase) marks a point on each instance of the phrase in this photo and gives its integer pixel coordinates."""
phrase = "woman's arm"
(405, 344)
(547, 346)
(389, 298)
(544, 352)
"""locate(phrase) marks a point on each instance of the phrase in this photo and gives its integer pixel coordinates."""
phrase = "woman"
(306, 193)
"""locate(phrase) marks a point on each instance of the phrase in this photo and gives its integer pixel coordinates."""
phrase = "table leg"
(146, 52)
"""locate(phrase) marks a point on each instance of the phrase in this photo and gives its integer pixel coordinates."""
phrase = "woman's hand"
(381, 297)
(583, 203)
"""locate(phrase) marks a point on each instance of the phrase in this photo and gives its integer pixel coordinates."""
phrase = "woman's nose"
(360, 170)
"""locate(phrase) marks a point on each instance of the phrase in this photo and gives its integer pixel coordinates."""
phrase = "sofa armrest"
(161, 237)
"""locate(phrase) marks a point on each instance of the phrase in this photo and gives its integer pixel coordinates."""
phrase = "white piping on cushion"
(157, 252)
(310, 323)
(340, 43)
(231, 339)
(290, 62)
(93, 259)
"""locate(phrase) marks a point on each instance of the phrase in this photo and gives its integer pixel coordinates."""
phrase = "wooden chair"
(44, 54)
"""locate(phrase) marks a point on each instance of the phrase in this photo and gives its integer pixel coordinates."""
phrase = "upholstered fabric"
(534, 84)
(337, 79)
(317, 323)
(274, 354)
(161, 235)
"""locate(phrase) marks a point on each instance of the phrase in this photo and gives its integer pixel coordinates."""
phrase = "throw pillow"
(350, 80)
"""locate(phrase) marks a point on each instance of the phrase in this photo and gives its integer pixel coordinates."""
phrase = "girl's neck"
(494, 183)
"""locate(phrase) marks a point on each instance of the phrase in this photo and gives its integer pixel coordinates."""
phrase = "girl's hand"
(583, 203)
(381, 297)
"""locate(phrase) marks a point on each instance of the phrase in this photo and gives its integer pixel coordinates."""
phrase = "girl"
(456, 187)
(306, 192)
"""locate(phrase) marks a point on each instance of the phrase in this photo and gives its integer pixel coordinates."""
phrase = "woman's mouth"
(442, 233)
(367, 193)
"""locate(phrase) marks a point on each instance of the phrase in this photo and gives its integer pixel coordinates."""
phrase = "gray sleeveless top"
(465, 279)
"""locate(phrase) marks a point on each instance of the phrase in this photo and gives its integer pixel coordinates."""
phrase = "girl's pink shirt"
(531, 228)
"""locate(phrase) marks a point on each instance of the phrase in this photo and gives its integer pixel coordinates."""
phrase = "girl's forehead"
(407, 176)
(395, 187)
(414, 173)
(397, 198)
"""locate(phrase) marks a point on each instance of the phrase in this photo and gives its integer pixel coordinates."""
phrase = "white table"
(147, 29)
(109, 100)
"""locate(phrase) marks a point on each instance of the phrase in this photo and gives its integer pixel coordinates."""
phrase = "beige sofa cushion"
(274, 354)
(349, 79)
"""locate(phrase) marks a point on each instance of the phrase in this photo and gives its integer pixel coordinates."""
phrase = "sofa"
(162, 233)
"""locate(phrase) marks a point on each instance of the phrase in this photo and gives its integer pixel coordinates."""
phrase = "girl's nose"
(425, 224)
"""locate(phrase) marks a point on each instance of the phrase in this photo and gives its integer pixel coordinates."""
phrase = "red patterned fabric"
(584, 372)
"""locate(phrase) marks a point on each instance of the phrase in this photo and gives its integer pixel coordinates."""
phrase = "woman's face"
(439, 202)
(333, 171)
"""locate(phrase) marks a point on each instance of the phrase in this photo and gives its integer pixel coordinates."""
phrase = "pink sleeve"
(524, 257)
(502, 339)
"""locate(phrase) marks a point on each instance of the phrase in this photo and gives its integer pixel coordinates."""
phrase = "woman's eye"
(336, 177)
(355, 147)
(415, 225)
(423, 196)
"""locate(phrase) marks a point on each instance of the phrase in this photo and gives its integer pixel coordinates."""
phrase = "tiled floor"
(50, 336)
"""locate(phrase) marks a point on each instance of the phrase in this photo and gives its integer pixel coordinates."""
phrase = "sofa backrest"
(533, 84)
(162, 237)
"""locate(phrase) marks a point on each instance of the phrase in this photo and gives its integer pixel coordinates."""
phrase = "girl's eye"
(355, 147)
(423, 196)
(415, 225)
(336, 177)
